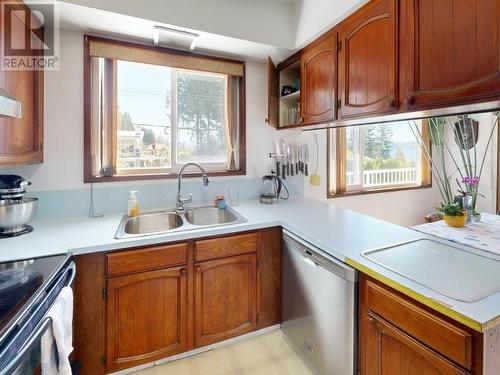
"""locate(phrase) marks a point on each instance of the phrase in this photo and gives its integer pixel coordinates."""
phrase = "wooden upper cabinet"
(368, 82)
(146, 317)
(319, 74)
(273, 90)
(21, 139)
(450, 52)
(225, 298)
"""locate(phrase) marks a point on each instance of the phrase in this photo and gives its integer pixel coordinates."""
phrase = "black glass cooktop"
(21, 281)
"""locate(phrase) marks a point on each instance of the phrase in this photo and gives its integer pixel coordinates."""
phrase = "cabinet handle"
(266, 120)
(198, 269)
(183, 272)
(409, 100)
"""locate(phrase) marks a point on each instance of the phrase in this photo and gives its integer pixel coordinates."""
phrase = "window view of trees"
(382, 150)
(381, 154)
(145, 117)
(200, 117)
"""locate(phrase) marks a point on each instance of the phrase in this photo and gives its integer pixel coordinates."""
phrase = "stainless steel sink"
(167, 221)
(152, 223)
(208, 216)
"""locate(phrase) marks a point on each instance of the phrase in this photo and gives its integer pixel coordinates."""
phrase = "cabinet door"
(272, 94)
(146, 317)
(225, 298)
(21, 139)
(450, 52)
(318, 80)
(368, 60)
(389, 351)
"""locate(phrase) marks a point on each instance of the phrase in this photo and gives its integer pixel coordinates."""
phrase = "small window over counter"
(378, 157)
(149, 110)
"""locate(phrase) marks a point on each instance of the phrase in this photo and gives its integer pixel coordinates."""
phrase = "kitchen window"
(376, 158)
(150, 110)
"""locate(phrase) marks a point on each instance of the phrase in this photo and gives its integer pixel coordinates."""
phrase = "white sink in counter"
(455, 273)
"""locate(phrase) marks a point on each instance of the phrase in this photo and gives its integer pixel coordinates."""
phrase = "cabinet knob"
(409, 100)
(198, 269)
(183, 272)
(266, 120)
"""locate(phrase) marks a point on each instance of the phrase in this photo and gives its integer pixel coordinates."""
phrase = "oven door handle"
(29, 344)
(71, 273)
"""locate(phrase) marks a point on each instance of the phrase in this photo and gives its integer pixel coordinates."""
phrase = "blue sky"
(142, 90)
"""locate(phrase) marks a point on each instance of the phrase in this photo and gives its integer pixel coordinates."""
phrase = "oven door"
(21, 356)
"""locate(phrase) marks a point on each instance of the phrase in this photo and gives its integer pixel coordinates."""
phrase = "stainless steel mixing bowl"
(15, 214)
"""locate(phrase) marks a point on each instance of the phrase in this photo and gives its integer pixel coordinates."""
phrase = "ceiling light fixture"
(174, 38)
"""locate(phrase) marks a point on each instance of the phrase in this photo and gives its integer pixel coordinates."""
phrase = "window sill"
(331, 195)
(162, 176)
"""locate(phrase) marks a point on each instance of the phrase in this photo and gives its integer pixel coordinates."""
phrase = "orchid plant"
(470, 167)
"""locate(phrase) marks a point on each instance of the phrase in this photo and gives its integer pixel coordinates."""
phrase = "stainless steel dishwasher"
(319, 307)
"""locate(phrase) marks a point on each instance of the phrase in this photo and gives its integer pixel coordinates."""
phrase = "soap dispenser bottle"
(133, 204)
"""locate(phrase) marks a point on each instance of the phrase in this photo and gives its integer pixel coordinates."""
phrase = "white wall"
(63, 165)
(314, 17)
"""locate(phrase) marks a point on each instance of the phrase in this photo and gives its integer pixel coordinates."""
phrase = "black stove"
(22, 283)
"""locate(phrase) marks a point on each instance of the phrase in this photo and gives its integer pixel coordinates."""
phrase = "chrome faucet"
(183, 199)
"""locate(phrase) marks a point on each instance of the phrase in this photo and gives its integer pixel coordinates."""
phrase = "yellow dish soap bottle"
(133, 207)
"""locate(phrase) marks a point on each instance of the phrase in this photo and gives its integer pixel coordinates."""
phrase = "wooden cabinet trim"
(273, 88)
(145, 259)
(221, 247)
(269, 274)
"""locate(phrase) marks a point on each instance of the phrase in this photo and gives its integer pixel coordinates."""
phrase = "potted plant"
(453, 213)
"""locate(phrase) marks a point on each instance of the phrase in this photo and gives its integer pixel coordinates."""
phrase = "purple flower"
(470, 181)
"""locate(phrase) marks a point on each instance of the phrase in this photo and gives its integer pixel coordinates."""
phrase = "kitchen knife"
(306, 159)
(278, 157)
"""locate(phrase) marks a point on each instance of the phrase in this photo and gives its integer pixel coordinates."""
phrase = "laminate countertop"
(341, 233)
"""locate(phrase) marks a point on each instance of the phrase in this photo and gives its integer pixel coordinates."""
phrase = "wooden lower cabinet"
(146, 317)
(139, 305)
(398, 336)
(225, 303)
(390, 351)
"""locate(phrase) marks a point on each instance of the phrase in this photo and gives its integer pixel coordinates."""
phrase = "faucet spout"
(182, 199)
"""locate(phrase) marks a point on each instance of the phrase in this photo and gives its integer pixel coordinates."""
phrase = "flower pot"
(456, 221)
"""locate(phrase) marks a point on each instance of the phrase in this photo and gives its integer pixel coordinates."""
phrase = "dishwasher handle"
(310, 262)
(313, 253)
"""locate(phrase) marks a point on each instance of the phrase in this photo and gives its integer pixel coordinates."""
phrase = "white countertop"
(342, 233)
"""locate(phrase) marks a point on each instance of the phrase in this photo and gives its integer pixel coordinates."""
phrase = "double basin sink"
(160, 222)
